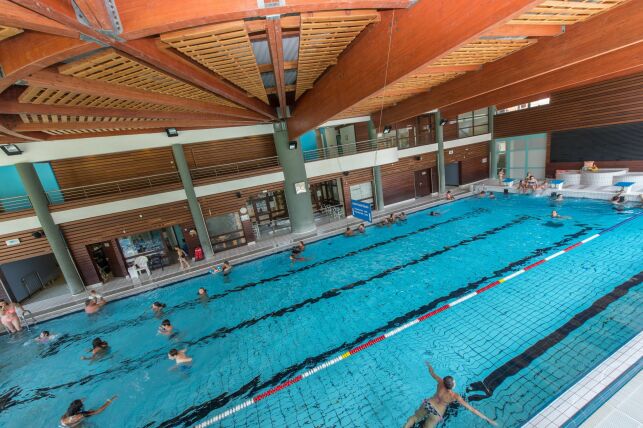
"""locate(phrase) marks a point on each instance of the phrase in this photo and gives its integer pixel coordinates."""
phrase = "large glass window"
(473, 123)
(225, 231)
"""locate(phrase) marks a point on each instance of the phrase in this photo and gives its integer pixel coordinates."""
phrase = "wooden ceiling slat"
(225, 49)
(6, 32)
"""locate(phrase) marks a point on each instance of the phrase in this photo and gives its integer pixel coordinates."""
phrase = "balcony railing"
(348, 149)
(15, 203)
(113, 187)
(234, 168)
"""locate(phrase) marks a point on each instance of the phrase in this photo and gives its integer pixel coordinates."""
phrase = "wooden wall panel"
(398, 179)
(361, 131)
(450, 131)
(471, 167)
(229, 151)
(28, 247)
(614, 101)
(11, 215)
(83, 171)
(81, 233)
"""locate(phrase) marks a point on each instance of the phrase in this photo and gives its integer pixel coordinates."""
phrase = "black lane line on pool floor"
(67, 338)
(195, 413)
(524, 359)
(6, 399)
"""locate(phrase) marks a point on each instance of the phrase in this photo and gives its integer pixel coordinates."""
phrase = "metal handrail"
(349, 149)
(118, 186)
(234, 168)
(15, 203)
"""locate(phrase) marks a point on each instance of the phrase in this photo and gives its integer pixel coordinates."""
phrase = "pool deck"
(56, 302)
(599, 399)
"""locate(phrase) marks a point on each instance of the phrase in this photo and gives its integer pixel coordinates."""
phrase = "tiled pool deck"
(590, 397)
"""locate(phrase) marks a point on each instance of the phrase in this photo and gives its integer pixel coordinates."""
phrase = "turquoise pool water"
(512, 350)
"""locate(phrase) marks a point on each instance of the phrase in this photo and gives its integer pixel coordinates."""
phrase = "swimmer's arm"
(432, 372)
(475, 411)
(101, 408)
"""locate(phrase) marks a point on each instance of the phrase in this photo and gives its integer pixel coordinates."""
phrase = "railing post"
(377, 173)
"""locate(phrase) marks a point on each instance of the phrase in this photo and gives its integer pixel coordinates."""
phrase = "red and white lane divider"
(399, 329)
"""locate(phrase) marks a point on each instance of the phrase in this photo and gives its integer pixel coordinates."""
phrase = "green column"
(300, 208)
(40, 204)
(439, 139)
(493, 147)
(377, 172)
(193, 202)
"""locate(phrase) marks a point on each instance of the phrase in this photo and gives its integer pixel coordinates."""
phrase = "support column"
(439, 139)
(377, 172)
(493, 148)
(300, 208)
(40, 204)
(193, 202)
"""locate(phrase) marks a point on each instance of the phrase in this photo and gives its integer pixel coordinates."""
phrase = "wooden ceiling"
(83, 70)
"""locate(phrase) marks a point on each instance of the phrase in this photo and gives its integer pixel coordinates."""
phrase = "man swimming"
(361, 228)
(179, 356)
(91, 307)
(166, 328)
(554, 214)
(449, 196)
(348, 232)
(432, 409)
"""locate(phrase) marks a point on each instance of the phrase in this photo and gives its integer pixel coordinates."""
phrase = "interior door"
(422, 183)
(452, 174)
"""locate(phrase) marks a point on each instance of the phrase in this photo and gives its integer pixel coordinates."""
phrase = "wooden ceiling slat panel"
(323, 37)
(565, 12)
(111, 67)
(225, 49)
(6, 32)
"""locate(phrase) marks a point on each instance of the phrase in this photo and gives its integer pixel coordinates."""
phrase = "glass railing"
(348, 149)
(15, 203)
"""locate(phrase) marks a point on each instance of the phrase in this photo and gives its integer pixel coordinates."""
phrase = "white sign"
(12, 242)
(300, 187)
(450, 152)
(484, 160)
(245, 217)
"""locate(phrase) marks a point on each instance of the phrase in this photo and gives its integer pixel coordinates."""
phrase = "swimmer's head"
(449, 382)
(45, 333)
(166, 323)
(88, 302)
(159, 305)
(74, 408)
(98, 343)
(348, 229)
(173, 352)
(202, 291)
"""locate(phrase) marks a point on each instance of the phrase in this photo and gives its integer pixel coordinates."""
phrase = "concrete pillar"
(300, 207)
(439, 139)
(40, 204)
(493, 148)
(377, 173)
(193, 203)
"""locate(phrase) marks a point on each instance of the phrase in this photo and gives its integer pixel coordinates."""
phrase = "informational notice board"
(361, 210)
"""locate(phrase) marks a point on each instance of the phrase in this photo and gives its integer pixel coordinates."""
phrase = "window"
(532, 104)
(473, 123)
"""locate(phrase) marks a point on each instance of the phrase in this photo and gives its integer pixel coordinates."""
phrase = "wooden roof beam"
(610, 31)
(273, 29)
(418, 36)
(288, 65)
(95, 11)
(617, 63)
(526, 30)
(170, 15)
(17, 16)
(54, 80)
(29, 52)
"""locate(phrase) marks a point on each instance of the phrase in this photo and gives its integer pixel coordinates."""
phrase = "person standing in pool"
(157, 308)
(432, 409)
(76, 414)
(226, 267)
(99, 349)
(179, 356)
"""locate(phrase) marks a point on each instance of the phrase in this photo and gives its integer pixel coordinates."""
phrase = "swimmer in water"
(157, 308)
(44, 337)
(76, 413)
(226, 267)
(301, 246)
(348, 232)
(361, 228)
(432, 410)
(491, 195)
(166, 328)
(99, 348)
(449, 196)
(96, 298)
(482, 194)
(554, 214)
(434, 214)
(295, 257)
(179, 356)
(92, 307)
(402, 216)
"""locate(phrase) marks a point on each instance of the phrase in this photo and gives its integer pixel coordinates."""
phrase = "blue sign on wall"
(362, 210)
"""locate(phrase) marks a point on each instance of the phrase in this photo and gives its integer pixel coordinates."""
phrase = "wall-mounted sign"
(484, 160)
(361, 210)
(450, 152)
(300, 187)
(12, 242)
(245, 217)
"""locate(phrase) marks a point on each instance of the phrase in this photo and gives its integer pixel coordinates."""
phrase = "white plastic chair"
(141, 265)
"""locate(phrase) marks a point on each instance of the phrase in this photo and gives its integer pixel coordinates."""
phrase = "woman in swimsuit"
(9, 317)
(99, 348)
(76, 413)
(432, 409)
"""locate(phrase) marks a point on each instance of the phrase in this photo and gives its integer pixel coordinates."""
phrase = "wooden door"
(422, 183)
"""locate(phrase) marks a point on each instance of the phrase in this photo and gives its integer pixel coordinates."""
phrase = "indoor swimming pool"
(511, 349)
